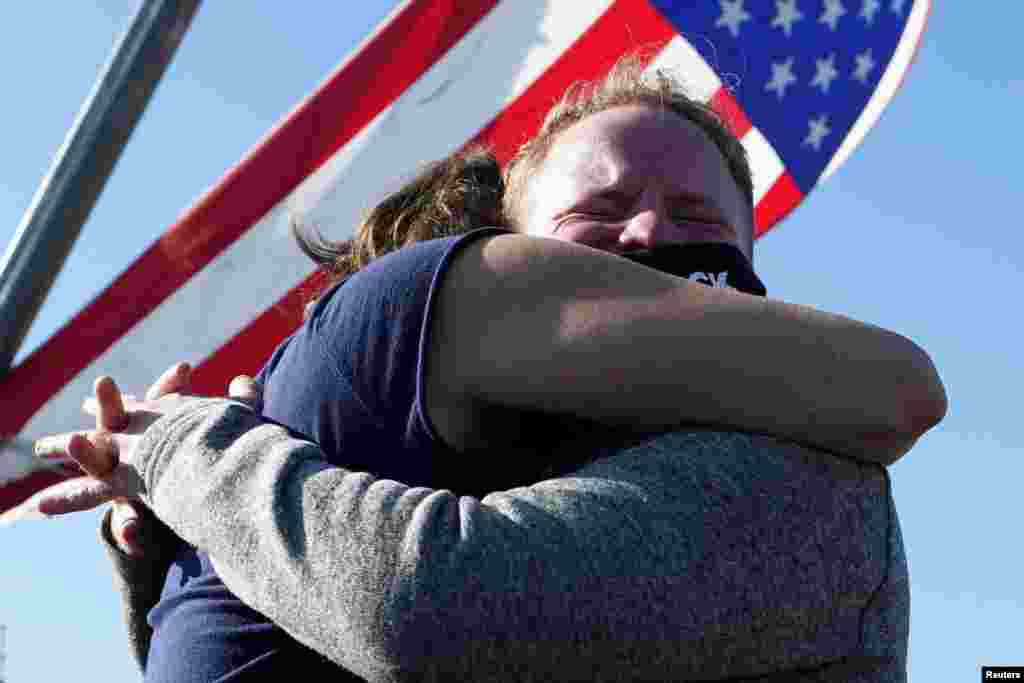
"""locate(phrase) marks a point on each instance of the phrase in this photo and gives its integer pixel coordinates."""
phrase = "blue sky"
(919, 232)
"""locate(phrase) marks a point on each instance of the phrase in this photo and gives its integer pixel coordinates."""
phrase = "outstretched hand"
(106, 454)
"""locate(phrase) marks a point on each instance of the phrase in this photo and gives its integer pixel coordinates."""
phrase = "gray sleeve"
(140, 580)
(694, 555)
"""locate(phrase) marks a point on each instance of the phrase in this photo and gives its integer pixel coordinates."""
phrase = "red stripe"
(626, 25)
(408, 45)
(729, 109)
(247, 351)
(15, 492)
(781, 198)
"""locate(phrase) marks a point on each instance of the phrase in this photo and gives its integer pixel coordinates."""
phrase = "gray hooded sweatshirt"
(693, 556)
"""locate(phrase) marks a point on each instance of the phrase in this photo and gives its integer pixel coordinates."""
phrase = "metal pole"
(83, 164)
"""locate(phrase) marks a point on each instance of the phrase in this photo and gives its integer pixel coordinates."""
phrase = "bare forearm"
(819, 379)
(564, 328)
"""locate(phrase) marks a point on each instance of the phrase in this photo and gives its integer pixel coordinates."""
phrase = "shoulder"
(762, 491)
(389, 297)
(389, 292)
(353, 369)
(414, 259)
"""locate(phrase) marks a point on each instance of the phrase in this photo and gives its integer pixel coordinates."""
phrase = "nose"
(648, 228)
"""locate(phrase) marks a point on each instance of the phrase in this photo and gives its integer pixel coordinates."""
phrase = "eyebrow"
(692, 198)
(615, 191)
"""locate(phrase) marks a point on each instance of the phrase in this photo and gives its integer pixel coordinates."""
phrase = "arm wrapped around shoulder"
(587, 333)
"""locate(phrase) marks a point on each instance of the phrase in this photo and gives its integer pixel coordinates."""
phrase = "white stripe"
(685, 63)
(765, 164)
(504, 53)
(887, 85)
(17, 461)
(490, 67)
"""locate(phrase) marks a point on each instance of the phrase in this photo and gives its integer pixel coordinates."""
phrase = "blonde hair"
(627, 83)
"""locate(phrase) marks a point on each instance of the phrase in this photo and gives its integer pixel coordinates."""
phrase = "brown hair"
(467, 190)
(447, 197)
(626, 83)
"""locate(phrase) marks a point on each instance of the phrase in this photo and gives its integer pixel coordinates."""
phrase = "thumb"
(244, 388)
(126, 527)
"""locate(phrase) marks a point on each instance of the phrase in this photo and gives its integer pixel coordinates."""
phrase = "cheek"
(745, 226)
(737, 209)
(544, 197)
(536, 222)
(591, 233)
(528, 218)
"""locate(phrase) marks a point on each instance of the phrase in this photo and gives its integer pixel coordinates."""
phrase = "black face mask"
(711, 263)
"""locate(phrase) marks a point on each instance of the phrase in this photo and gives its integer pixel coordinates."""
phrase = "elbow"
(925, 403)
(919, 404)
(417, 642)
(927, 412)
(421, 625)
(385, 651)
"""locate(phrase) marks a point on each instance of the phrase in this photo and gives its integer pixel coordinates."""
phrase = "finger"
(56, 449)
(52, 450)
(111, 414)
(176, 379)
(96, 454)
(91, 406)
(126, 526)
(245, 389)
(73, 495)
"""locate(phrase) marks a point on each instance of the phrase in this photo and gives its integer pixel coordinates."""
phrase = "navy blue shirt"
(352, 380)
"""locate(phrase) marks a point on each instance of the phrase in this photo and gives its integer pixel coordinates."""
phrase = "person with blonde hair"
(544, 450)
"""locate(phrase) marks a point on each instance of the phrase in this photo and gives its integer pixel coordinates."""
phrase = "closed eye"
(595, 229)
(708, 226)
(598, 214)
(689, 218)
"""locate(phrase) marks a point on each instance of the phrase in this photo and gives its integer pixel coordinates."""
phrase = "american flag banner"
(799, 81)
